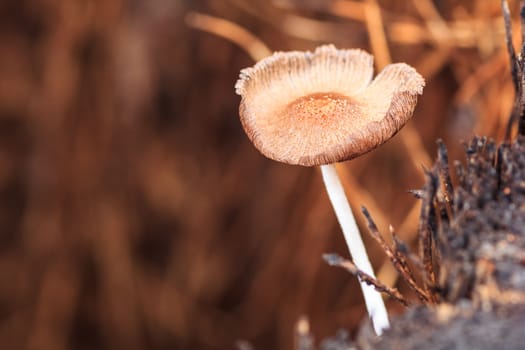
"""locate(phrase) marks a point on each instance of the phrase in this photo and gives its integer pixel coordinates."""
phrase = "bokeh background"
(134, 211)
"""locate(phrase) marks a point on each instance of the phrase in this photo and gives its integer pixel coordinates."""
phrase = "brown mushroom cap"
(321, 107)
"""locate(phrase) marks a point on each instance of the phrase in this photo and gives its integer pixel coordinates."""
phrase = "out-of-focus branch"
(230, 31)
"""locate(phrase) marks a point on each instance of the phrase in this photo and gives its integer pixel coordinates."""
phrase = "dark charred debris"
(471, 255)
(469, 273)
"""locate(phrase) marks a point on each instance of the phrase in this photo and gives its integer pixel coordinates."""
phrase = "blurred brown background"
(135, 213)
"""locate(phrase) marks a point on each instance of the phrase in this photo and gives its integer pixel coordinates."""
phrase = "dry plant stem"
(521, 96)
(378, 41)
(396, 257)
(514, 68)
(517, 66)
(444, 174)
(427, 232)
(230, 31)
(373, 300)
(336, 260)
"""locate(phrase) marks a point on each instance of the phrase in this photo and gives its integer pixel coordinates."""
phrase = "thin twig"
(230, 31)
(521, 95)
(376, 32)
(522, 26)
(435, 23)
(444, 173)
(516, 68)
(396, 257)
(510, 46)
(418, 194)
(336, 260)
(427, 230)
(403, 251)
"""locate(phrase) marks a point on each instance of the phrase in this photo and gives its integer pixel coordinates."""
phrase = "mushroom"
(319, 108)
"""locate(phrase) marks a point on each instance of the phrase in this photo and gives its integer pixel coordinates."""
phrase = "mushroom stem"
(373, 300)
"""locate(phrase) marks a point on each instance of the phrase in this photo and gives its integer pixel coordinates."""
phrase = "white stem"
(373, 300)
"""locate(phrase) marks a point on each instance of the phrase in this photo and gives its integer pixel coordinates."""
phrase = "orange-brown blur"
(136, 214)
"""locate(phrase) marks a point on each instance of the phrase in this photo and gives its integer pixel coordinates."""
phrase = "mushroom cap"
(322, 107)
